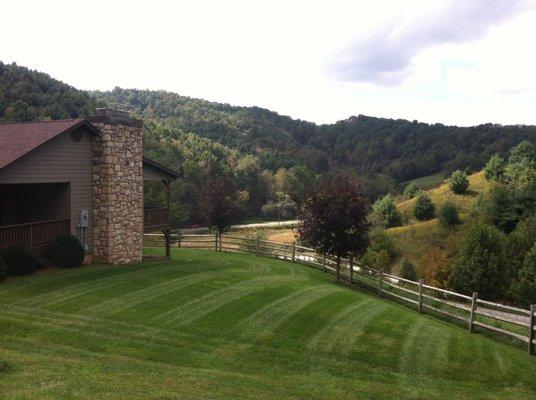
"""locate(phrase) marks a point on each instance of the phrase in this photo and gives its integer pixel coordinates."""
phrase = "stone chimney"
(117, 188)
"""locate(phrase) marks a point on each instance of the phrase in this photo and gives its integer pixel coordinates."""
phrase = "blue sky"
(458, 62)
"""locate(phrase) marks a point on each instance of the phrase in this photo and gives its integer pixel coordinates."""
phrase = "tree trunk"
(338, 269)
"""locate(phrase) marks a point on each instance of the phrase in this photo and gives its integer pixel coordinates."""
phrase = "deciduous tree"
(333, 219)
(218, 203)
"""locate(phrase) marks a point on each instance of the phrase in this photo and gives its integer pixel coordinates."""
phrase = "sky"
(461, 62)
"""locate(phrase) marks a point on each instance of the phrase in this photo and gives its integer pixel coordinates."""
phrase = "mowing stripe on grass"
(331, 325)
(131, 299)
(199, 307)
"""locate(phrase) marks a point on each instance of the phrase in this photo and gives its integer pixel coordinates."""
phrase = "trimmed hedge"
(65, 252)
(19, 260)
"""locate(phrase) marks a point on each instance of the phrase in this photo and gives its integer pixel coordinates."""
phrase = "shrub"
(19, 260)
(435, 267)
(408, 271)
(424, 208)
(380, 240)
(479, 265)
(448, 215)
(458, 182)
(3, 269)
(525, 288)
(411, 190)
(65, 252)
(376, 260)
(385, 212)
(495, 168)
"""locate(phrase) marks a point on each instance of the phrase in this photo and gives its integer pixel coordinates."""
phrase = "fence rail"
(516, 323)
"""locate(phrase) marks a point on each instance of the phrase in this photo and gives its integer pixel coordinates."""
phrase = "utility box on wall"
(84, 218)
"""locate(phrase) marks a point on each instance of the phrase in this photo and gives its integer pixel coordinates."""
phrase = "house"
(84, 177)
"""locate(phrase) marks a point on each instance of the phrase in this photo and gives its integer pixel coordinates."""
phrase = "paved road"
(269, 224)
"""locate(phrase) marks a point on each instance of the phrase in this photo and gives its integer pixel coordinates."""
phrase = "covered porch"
(33, 215)
(157, 180)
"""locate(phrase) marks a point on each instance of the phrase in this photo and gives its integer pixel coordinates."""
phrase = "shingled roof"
(18, 139)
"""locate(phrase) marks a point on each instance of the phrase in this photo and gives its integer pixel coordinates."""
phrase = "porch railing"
(155, 218)
(34, 234)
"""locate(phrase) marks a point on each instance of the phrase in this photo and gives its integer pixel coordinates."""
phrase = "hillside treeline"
(272, 159)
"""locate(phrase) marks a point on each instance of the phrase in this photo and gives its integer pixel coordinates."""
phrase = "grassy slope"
(428, 181)
(414, 238)
(224, 326)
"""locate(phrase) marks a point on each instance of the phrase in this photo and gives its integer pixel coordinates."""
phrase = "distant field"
(208, 325)
(429, 181)
(415, 238)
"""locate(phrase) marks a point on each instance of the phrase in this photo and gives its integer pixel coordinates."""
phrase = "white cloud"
(273, 53)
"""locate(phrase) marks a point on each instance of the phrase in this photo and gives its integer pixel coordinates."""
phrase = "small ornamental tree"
(458, 182)
(495, 168)
(385, 212)
(448, 215)
(218, 204)
(333, 219)
(424, 208)
(479, 265)
(408, 271)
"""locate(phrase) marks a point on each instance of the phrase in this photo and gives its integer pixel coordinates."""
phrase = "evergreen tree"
(525, 288)
(458, 182)
(411, 190)
(479, 265)
(385, 212)
(448, 215)
(495, 168)
(424, 208)
(408, 271)
(501, 208)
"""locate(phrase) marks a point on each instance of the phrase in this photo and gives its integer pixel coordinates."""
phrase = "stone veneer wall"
(117, 192)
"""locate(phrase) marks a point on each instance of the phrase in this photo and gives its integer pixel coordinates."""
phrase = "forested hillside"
(27, 95)
(400, 149)
(271, 159)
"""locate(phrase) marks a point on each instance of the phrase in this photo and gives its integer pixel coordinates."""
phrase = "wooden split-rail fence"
(472, 311)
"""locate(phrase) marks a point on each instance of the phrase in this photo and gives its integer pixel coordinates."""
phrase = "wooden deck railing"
(35, 234)
(155, 218)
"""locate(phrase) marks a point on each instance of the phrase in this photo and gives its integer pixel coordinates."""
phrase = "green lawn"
(211, 325)
(429, 181)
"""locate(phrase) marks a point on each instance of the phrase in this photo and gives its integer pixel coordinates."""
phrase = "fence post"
(293, 251)
(351, 270)
(532, 325)
(324, 262)
(380, 284)
(180, 238)
(216, 241)
(256, 246)
(473, 309)
(420, 296)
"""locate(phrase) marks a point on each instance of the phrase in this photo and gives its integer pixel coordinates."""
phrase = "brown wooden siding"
(151, 173)
(61, 160)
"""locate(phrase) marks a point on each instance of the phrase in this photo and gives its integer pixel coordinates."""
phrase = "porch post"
(167, 237)
(167, 233)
